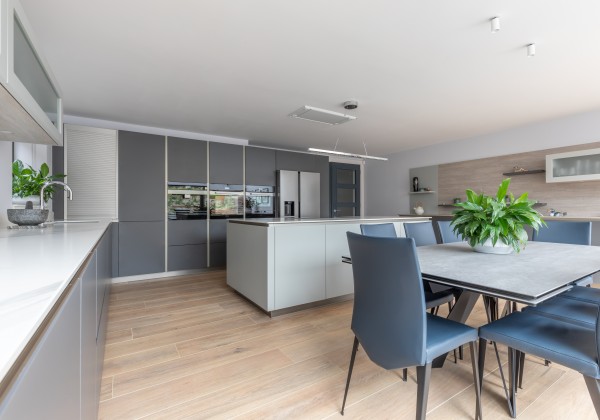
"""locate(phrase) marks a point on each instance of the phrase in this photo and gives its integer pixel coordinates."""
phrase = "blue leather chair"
(572, 345)
(575, 233)
(389, 305)
(446, 233)
(387, 230)
(421, 232)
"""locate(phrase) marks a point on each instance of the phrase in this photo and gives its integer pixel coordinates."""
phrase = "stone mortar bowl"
(27, 217)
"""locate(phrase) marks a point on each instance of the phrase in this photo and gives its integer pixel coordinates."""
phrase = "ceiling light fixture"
(310, 113)
(495, 24)
(351, 155)
(531, 50)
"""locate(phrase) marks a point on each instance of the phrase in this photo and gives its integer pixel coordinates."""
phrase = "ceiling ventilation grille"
(310, 113)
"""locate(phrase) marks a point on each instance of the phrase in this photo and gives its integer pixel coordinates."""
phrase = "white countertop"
(355, 219)
(36, 265)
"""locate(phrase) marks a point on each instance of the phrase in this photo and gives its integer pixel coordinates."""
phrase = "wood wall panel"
(576, 198)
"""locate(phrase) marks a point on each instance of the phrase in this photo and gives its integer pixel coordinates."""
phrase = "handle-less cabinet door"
(141, 177)
(260, 166)
(293, 161)
(187, 160)
(141, 248)
(218, 242)
(48, 387)
(226, 163)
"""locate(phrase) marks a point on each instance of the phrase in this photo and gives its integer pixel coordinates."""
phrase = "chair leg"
(423, 377)
(476, 382)
(354, 350)
(482, 346)
(521, 369)
(593, 386)
(512, 367)
(404, 374)
(460, 353)
(455, 359)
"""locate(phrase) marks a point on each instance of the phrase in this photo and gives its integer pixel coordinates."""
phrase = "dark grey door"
(141, 248)
(345, 189)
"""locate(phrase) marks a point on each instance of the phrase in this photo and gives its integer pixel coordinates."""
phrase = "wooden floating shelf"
(531, 172)
(446, 205)
(536, 205)
(422, 192)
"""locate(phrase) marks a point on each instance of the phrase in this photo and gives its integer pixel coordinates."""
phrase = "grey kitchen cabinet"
(187, 257)
(141, 177)
(218, 242)
(226, 163)
(141, 248)
(89, 330)
(187, 240)
(260, 166)
(322, 167)
(187, 232)
(48, 387)
(187, 160)
(295, 161)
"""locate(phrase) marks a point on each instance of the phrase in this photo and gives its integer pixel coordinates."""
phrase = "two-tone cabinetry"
(30, 96)
(60, 378)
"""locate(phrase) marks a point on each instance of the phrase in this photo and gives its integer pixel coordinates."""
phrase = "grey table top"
(539, 271)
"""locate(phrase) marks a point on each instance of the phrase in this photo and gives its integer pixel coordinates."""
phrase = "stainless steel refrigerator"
(298, 194)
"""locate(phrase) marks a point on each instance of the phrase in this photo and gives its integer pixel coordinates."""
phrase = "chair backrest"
(576, 233)
(381, 230)
(421, 232)
(389, 317)
(446, 232)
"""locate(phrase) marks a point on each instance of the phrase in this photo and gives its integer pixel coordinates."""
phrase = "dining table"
(541, 270)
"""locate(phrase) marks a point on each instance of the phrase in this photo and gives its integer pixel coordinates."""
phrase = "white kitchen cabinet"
(581, 165)
(25, 74)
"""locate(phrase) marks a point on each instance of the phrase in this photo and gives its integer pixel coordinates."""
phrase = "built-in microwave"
(186, 201)
(226, 201)
(260, 201)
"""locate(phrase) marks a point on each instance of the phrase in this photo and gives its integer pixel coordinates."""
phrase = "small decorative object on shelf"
(494, 225)
(415, 184)
(419, 208)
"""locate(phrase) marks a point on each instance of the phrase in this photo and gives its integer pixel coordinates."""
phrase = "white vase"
(19, 202)
(488, 248)
(419, 210)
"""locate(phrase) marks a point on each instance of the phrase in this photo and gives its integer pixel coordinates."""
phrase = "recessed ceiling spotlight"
(495, 24)
(351, 104)
(530, 50)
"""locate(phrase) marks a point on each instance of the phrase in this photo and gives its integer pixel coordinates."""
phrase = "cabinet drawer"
(187, 257)
(187, 232)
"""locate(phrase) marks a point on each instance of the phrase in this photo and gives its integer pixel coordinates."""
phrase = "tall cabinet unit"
(226, 166)
(142, 203)
(187, 239)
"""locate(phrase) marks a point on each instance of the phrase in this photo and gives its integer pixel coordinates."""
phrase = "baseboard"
(165, 274)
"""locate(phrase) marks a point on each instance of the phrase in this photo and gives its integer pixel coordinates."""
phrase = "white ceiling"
(424, 71)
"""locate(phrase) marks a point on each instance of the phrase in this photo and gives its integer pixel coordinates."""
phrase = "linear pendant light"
(353, 155)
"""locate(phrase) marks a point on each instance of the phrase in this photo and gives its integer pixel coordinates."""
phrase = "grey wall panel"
(322, 167)
(141, 177)
(58, 167)
(187, 160)
(218, 254)
(226, 163)
(294, 161)
(260, 166)
(141, 248)
(187, 257)
(187, 232)
(48, 387)
(218, 230)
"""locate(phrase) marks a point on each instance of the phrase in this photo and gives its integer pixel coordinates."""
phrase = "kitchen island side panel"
(250, 268)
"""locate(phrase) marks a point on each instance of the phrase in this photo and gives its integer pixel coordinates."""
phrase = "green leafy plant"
(27, 181)
(500, 218)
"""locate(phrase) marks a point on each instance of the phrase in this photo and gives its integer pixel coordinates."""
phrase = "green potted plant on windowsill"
(27, 183)
(496, 224)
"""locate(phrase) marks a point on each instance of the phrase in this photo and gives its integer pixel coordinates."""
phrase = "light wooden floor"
(189, 347)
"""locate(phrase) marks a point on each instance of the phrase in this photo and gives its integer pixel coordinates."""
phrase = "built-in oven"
(186, 201)
(226, 201)
(260, 201)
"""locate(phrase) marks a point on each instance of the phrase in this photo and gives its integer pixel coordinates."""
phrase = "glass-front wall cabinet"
(582, 165)
(28, 77)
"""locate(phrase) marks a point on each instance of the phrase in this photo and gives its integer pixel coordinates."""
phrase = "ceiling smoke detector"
(351, 104)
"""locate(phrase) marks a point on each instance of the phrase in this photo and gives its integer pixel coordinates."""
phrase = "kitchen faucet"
(69, 191)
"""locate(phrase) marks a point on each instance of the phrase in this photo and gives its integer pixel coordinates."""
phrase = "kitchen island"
(54, 285)
(285, 264)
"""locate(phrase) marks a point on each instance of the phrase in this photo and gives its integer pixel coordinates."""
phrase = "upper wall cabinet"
(260, 166)
(582, 165)
(186, 160)
(295, 161)
(31, 99)
(226, 163)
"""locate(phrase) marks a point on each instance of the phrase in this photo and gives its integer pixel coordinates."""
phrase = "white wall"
(5, 181)
(388, 183)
